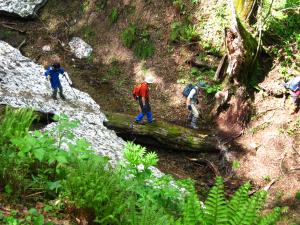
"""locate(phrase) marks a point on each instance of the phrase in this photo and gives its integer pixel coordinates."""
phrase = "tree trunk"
(161, 133)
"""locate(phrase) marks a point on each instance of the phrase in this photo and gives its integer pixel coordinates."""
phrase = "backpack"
(136, 91)
(293, 84)
(187, 89)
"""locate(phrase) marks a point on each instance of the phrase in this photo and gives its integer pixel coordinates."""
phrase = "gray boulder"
(22, 84)
(80, 48)
(22, 8)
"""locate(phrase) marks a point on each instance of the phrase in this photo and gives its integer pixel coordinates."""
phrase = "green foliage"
(183, 32)
(136, 155)
(144, 48)
(32, 217)
(128, 194)
(213, 88)
(101, 4)
(282, 35)
(84, 6)
(129, 35)
(6, 34)
(216, 210)
(139, 40)
(15, 123)
(114, 15)
(297, 196)
(179, 4)
(113, 72)
(88, 33)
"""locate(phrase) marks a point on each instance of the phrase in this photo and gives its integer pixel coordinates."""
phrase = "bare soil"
(268, 148)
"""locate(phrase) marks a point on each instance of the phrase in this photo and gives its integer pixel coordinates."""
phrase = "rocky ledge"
(22, 84)
(22, 8)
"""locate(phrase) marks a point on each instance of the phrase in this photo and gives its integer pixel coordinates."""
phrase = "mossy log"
(161, 133)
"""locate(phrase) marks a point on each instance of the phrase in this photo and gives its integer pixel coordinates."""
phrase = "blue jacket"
(54, 76)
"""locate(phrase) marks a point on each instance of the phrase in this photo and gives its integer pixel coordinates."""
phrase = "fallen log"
(161, 133)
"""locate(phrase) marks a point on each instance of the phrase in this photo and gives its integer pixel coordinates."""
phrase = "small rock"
(46, 48)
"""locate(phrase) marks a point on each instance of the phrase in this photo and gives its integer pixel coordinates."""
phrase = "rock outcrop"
(22, 84)
(22, 8)
(80, 48)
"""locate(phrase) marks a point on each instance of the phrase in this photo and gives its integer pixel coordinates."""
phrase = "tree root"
(206, 162)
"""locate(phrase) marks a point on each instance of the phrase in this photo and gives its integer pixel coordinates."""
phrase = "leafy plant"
(128, 194)
(129, 35)
(88, 33)
(183, 32)
(139, 40)
(297, 196)
(101, 4)
(114, 15)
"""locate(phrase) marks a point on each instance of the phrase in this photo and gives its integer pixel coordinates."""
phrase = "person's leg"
(295, 102)
(149, 113)
(189, 117)
(195, 115)
(61, 92)
(140, 116)
(54, 93)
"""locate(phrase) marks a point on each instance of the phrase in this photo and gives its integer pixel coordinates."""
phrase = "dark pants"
(54, 92)
(146, 110)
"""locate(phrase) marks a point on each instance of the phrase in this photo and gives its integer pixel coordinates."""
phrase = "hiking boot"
(54, 97)
(194, 126)
(194, 123)
(62, 97)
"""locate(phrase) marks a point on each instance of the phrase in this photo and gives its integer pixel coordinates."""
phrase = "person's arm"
(143, 100)
(190, 96)
(47, 73)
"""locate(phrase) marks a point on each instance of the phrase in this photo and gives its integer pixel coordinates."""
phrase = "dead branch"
(268, 186)
(12, 28)
(265, 188)
(281, 163)
(295, 149)
(293, 169)
(212, 166)
(37, 193)
(22, 43)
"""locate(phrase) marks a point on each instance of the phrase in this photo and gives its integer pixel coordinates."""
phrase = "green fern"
(271, 218)
(129, 36)
(239, 198)
(216, 209)
(248, 213)
(15, 123)
(192, 211)
(136, 155)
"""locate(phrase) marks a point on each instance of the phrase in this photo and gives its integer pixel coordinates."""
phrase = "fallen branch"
(265, 188)
(293, 169)
(295, 149)
(268, 186)
(12, 28)
(206, 162)
(22, 43)
(281, 162)
(37, 193)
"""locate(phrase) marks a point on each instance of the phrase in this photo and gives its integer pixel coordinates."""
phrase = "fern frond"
(271, 218)
(192, 211)
(216, 209)
(150, 159)
(239, 198)
(249, 211)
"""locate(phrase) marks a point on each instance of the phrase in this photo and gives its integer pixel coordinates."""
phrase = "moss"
(243, 7)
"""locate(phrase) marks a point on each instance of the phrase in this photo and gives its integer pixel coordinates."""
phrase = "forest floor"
(268, 149)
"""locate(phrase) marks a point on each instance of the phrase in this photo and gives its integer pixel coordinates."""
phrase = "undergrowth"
(129, 193)
(139, 40)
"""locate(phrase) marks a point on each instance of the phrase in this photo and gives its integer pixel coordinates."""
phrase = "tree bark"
(161, 133)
